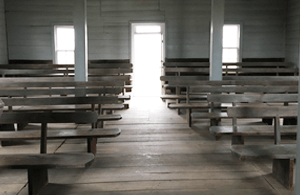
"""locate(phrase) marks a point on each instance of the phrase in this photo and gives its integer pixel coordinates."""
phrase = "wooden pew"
(260, 68)
(200, 70)
(37, 166)
(96, 72)
(32, 115)
(23, 88)
(283, 155)
(234, 86)
(252, 101)
(233, 69)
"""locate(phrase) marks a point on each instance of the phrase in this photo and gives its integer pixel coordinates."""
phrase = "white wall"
(3, 42)
(293, 32)
(187, 26)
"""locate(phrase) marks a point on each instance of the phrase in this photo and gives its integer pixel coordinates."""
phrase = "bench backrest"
(244, 89)
(48, 101)
(262, 111)
(191, 79)
(37, 117)
(58, 70)
(192, 83)
(17, 89)
(241, 68)
(236, 98)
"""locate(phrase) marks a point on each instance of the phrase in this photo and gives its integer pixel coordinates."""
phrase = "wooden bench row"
(54, 102)
(194, 94)
(58, 70)
(240, 68)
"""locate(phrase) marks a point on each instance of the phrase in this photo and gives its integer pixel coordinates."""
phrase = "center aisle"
(157, 153)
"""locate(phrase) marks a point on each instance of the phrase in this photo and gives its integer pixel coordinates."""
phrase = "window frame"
(55, 50)
(239, 53)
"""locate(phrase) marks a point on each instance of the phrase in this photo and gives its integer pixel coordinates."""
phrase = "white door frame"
(133, 24)
(132, 33)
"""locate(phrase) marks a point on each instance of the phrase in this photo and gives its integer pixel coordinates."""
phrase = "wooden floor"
(157, 153)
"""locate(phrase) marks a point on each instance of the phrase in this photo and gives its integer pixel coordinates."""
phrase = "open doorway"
(147, 56)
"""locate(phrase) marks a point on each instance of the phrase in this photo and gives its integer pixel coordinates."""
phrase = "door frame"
(133, 24)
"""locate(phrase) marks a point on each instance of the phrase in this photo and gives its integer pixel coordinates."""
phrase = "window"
(64, 44)
(231, 43)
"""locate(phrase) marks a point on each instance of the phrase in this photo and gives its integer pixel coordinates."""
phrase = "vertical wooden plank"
(188, 116)
(92, 145)
(43, 146)
(283, 171)
(81, 40)
(216, 39)
(277, 133)
(37, 180)
(236, 139)
(3, 35)
(297, 182)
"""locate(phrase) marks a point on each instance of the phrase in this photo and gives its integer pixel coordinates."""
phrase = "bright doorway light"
(64, 44)
(148, 29)
(231, 43)
(147, 59)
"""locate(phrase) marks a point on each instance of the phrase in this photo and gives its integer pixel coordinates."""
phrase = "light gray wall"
(293, 32)
(263, 26)
(3, 42)
(187, 26)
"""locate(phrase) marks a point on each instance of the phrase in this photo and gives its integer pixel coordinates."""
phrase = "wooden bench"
(62, 116)
(56, 89)
(239, 68)
(260, 68)
(96, 72)
(200, 71)
(255, 100)
(37, 166)
(283, 155)
(235, 86)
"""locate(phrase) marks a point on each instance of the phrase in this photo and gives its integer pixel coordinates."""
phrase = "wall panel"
(30, 26)
(3, 38)
(293, 32)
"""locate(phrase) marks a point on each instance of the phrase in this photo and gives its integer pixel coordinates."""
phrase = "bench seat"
(282, 151)
(60, 134)
(37, 166)
(189, 106)
(124, 97)
(252, 130)
(202, 115)
(183, 97)
(67, 107)
(283, 159)
(112, 107)
(109, 117)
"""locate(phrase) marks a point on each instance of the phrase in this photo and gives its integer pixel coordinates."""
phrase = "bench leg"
(237, 140)
(21, 126)
(100, 124)
(283, 171)
(6, 127)
(268, 121)
(92, 145)
(215, 122)
(188, 117)
(37, 180)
